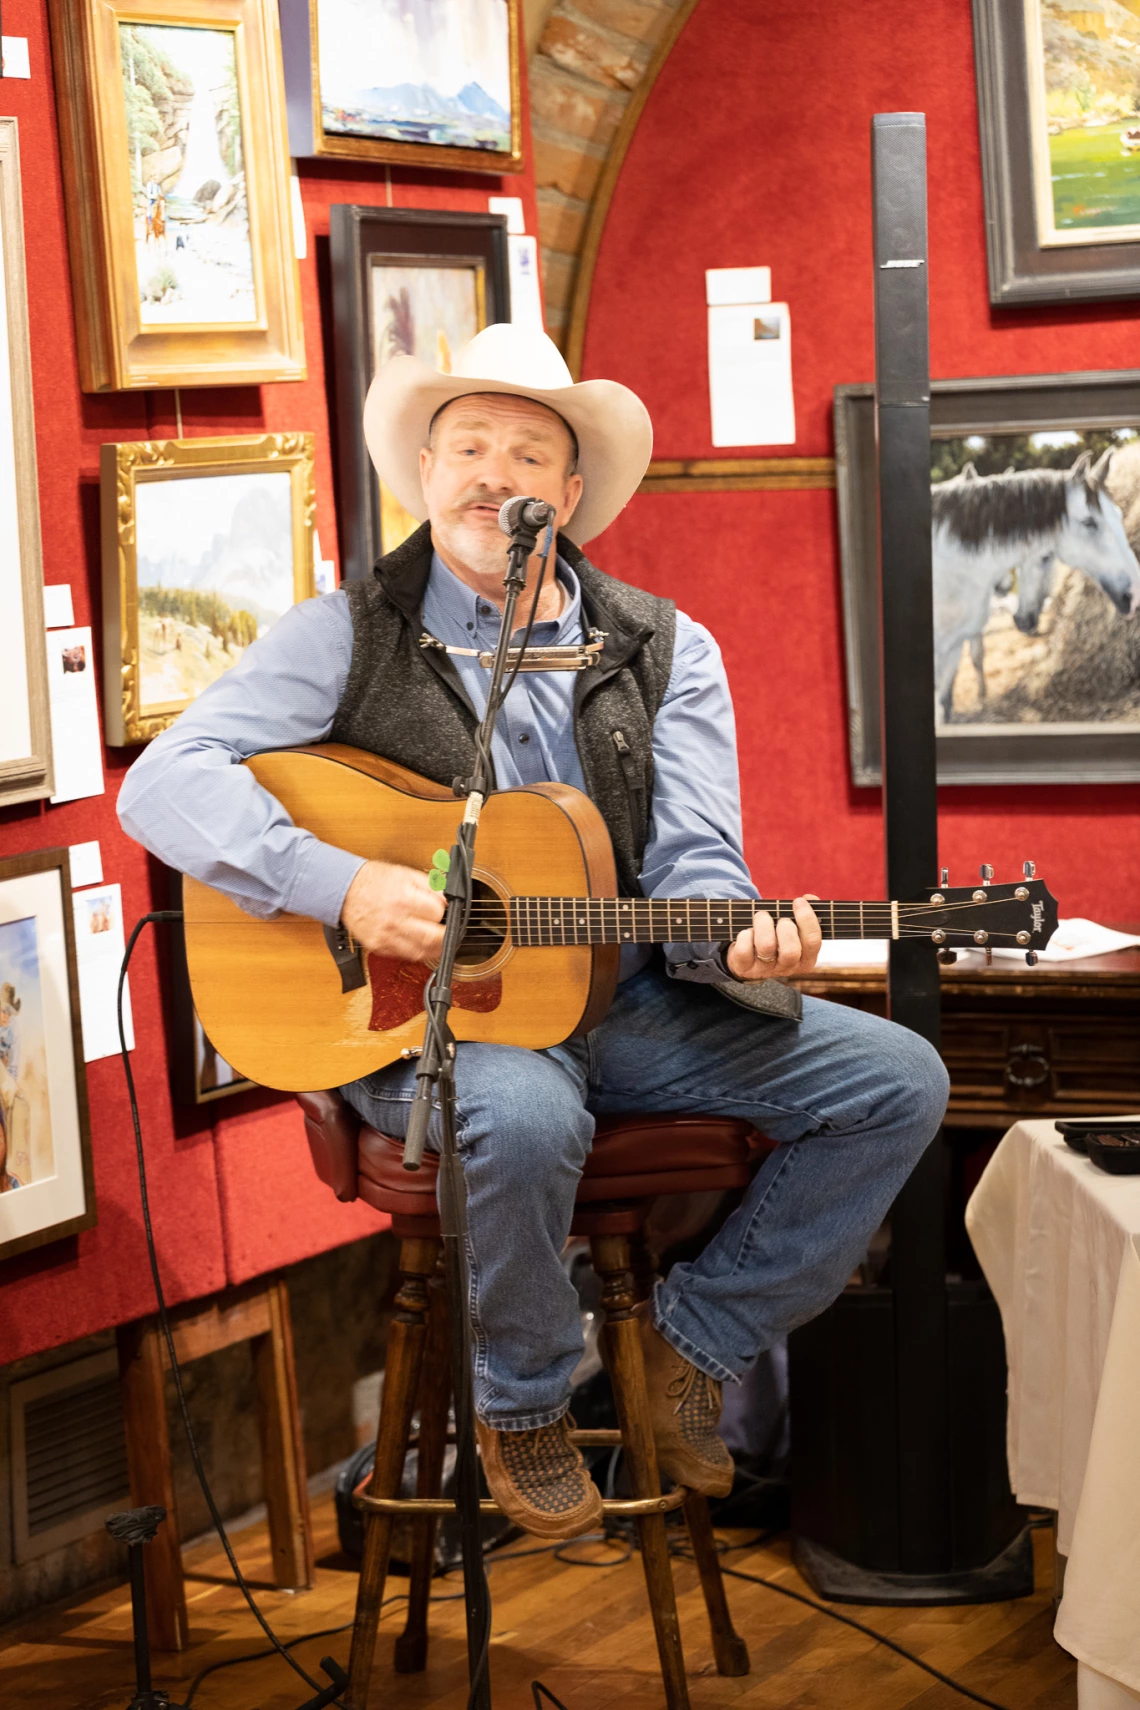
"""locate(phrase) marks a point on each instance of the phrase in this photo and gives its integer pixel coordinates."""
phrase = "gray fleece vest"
(408, 704)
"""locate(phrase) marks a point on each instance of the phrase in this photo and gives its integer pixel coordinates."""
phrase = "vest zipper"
(634, 786)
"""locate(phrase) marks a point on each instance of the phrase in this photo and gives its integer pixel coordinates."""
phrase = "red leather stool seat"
(633, 1158)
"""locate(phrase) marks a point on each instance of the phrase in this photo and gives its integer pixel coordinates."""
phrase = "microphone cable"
(166, 917)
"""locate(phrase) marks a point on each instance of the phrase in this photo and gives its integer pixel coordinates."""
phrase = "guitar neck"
(679, 920)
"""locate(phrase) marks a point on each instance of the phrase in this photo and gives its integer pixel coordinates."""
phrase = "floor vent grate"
(69, 1455)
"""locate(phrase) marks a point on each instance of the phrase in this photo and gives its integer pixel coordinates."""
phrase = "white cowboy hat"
(612, 426)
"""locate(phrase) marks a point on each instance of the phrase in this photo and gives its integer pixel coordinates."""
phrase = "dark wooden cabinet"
(1061, 1039)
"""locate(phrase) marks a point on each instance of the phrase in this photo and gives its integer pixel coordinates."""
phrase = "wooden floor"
(584, 1632)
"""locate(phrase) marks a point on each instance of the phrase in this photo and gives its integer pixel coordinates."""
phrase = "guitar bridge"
(348, 958)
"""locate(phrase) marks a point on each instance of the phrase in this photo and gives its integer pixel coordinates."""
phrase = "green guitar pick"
(442, 860)
(436, 879)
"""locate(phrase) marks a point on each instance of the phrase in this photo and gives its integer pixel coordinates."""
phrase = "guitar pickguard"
(398, 992)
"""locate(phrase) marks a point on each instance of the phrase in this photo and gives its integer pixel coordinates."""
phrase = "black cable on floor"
(162, 916)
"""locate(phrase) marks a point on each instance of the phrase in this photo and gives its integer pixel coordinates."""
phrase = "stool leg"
(627, 1374)
(282, 1446)
(728, 1647)
(435, 1395)
(401, 1376)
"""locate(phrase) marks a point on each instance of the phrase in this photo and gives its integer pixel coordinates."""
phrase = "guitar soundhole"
(487, 929)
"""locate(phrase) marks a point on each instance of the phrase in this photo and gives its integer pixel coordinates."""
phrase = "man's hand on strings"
(769, 947)
(393, 911)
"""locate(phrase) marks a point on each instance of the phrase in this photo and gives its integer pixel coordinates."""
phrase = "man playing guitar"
(648, 733)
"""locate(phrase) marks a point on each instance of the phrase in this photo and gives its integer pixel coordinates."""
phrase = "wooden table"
(1060, 1039)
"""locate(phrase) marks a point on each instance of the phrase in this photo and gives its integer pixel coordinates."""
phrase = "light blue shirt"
(190, 802)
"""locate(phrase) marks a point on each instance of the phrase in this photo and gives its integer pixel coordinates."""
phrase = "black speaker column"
(899, 1489)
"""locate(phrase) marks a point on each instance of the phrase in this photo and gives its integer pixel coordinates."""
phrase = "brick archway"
(591, 71)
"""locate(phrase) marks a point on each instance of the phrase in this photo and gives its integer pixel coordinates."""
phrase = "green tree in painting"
(153, 87)
(201, 610)
(993, 456)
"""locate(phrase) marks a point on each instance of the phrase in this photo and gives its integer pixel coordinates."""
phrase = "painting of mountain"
(417, 71)
(215, 572)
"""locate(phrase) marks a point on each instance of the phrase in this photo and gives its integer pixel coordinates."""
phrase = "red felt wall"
(232, 1194)
(754, 149)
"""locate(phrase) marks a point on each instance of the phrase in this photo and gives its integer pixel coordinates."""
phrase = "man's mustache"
(480, 496)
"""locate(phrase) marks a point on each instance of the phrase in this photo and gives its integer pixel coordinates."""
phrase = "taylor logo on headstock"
(1038, 912)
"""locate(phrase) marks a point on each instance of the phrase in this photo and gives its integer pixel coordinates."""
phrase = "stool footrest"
(600, 1439)
(443, 1505)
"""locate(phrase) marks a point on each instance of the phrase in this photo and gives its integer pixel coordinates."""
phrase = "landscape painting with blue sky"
(417, 71)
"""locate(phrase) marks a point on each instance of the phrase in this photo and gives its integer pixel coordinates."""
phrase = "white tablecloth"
(1059, 1242)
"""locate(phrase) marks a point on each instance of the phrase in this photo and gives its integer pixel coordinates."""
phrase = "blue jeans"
(852, 1100)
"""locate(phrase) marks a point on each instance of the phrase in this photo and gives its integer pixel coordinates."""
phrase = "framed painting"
(1059, 113)
(404, 281)
(25, 725)
(206, 542)
(1036, 498)
(430, 83)
(46, 1184)
(176, 182)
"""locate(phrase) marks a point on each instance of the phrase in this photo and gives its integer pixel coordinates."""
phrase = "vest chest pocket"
(634, 783)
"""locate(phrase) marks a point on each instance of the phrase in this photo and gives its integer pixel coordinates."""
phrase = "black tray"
(1116, 1152)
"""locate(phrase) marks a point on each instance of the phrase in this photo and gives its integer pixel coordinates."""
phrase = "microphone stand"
(435, 1075)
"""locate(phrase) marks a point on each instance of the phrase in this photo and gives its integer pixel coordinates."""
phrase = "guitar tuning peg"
(989, 957)
(1029, 868)
(948, 956)
(987, 872)
(945, 879)
(1031, 955)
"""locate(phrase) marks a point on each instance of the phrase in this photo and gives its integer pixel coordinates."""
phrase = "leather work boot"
(539, 1479)
(684, 1408)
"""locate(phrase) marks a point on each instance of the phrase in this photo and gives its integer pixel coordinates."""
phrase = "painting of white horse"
(1037, 586)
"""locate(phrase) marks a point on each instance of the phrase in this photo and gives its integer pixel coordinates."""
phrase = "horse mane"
(1002, 510)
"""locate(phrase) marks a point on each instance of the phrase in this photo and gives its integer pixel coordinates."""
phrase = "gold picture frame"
(25, 723)
(308, 137)
(183, 264)
(182, 596)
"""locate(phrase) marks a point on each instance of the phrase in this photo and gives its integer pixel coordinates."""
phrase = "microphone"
(528, 515)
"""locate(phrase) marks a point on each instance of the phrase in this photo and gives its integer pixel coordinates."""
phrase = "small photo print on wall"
(27, 1153)
(187, 163)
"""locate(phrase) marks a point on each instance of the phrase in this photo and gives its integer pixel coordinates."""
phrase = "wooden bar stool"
(634, 1160)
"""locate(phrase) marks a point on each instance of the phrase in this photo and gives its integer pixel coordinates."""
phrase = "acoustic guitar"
(292, 1004)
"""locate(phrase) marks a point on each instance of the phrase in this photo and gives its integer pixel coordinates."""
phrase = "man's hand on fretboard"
(770, 947)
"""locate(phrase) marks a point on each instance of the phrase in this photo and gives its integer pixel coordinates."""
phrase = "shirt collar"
(451, 606)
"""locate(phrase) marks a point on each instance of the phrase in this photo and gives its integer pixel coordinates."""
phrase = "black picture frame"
(1021, 268)
(1017, 754)
(359, 238)
(189, 1050)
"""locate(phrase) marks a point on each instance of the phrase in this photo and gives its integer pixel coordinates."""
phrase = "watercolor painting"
(193, 253)
(417, 71)
(26, 1150)
(425, 309)
(1036, 578)
(1084, 65)
(215, 571)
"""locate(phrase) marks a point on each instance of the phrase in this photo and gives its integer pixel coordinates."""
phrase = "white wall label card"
(750, 374)
(14, 56)
(76, 742)
(526, 298)
(99, 949)
(512, 207)
(86, 864)
(58, 611)
(725, 285)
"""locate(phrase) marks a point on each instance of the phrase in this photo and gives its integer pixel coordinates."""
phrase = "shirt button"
(484, 611)
(524, 737)
(471, 626)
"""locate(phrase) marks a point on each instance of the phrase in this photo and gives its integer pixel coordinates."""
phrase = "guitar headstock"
(987, 917)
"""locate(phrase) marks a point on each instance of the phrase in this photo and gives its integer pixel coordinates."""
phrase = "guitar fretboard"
(678, 920)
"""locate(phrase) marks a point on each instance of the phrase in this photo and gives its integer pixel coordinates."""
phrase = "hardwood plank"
(584, 1632)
